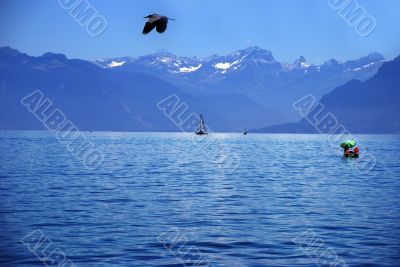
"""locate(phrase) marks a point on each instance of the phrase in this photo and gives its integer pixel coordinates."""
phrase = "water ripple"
(154, 184)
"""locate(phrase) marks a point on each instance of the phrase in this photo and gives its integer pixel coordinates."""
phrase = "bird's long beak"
(171, 19)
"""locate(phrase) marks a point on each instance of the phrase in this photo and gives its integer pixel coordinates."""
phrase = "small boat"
(201, 129)
(244, 129)
(349, 149)
(352, 153)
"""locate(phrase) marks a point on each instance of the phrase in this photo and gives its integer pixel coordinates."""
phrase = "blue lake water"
(169, 199)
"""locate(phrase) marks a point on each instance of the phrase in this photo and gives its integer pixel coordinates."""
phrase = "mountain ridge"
(252, 72)
(372, 56)
(98, 99)
(371, 106)
(246, 85)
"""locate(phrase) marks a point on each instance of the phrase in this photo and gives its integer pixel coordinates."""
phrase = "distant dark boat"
(201, 129)
(244, 128)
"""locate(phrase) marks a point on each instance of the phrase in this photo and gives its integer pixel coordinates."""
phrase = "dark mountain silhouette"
(99, 99)
(372, 106)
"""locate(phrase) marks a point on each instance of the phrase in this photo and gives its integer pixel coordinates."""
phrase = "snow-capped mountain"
(241, 59)
(160, 61)
(253, 72)
(109, 63)
(165, 61)
(251, 57)
(103, 99)
(122, 93)
(169, 63)
(372, 106)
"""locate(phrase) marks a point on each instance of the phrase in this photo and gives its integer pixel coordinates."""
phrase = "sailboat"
(201, 129)
(244, 128)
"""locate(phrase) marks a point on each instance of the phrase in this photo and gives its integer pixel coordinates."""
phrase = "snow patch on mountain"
(190, 69)
(115, 64)
(366, 66)
(304, 65)
(165, 60)
(225, 65)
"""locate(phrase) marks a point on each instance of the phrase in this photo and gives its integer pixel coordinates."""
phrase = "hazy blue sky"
(289, 28)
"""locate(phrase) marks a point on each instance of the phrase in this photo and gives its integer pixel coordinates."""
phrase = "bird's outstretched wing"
(161, 24)
(148, 27)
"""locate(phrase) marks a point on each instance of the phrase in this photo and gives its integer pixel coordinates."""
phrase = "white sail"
(201, 129)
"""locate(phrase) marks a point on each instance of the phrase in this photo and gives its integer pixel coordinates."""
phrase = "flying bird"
(156, 21)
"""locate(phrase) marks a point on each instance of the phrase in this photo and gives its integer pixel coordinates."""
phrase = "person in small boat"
(349, 152)
(347, 148)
